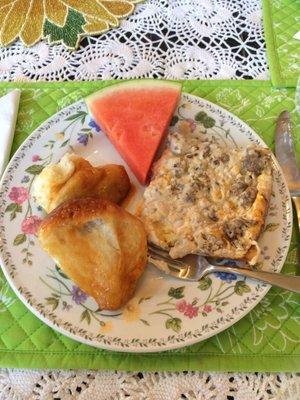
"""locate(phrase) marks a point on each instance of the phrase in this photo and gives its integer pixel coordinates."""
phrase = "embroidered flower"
(93, 125)
(36, 157)
(28, 19)
(78, 295)
(18, 194)
(31, 224)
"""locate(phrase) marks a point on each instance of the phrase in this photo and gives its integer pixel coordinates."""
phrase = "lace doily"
(90, 385)
(173, 39)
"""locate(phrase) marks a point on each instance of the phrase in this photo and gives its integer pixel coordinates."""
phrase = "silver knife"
(285, 154)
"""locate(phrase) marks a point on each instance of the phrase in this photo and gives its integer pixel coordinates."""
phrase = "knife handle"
(296, 201)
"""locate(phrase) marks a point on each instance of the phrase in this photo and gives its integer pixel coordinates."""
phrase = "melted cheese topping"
(202, 196)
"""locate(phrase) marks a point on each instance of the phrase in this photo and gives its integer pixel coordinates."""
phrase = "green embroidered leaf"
(241, 287)
(85, 316)
(174, 120)
(53, 302)
(19, 239)
(176, 293)
(174, 324)
(200, 116)
(271, 227)
(208, 122)
(69, 34)
(35, 169)
(204, 283)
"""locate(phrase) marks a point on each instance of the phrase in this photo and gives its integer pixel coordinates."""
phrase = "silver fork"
(194, 267)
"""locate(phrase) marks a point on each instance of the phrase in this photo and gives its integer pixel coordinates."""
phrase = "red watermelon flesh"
(135, 115)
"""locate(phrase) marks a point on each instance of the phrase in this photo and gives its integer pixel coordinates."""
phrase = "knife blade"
(285, 153)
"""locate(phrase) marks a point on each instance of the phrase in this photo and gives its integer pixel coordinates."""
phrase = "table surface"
(172, 39)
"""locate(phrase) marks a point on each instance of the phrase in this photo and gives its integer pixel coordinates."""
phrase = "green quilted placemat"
(267, 339)
(281, 23)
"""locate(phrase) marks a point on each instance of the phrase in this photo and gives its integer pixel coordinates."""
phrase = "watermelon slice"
(135, 116)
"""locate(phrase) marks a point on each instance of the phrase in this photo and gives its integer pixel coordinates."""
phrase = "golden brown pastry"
(74, 177)
(207, 198)
(99, 245)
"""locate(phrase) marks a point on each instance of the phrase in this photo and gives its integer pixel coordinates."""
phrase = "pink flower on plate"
(191, 311)
(207, 308)
(36, 158)
(181, 306)
(187, 309)
(18, 194)
(31, 224)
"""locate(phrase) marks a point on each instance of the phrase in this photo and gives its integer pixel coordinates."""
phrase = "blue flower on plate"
(226, 276)
(83, 138)
(93, 125)
(78, 295)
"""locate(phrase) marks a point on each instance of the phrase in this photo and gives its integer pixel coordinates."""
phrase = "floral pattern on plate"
(165, 313)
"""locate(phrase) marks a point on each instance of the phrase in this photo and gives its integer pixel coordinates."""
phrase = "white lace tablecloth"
(173, 39)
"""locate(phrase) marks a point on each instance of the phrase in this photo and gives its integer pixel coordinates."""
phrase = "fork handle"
(280, 280)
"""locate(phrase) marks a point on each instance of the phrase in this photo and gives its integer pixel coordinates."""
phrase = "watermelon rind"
(132, 84)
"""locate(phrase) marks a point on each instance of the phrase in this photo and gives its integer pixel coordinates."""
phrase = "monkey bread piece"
(99, 245)
(74, 177)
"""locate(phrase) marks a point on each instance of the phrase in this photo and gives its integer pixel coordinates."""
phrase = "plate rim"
(263, 288)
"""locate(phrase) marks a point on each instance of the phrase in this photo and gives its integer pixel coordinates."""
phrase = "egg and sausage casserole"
(207, 198)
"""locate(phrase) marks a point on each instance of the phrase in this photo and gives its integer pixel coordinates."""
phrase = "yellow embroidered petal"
(3, 14)
(118, 8)
(5, 3)
(33, 28)
(95, 26)
(56, 12)
(14, 21)
(93, 9)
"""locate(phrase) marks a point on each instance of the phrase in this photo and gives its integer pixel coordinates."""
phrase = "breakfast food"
(207, 198)
(74, 177)
(135, 116)
(99, 245)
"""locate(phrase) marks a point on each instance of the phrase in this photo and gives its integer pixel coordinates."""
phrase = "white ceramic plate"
(165, 313)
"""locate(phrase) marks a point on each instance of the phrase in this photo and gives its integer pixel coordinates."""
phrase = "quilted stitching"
(281, 21)
(23, 335)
